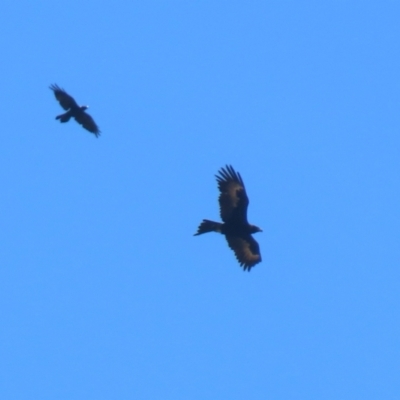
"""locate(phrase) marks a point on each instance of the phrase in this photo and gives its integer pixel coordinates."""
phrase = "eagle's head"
(255, 229)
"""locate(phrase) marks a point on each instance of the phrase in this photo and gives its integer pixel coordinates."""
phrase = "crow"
(233, 202)
(67, 102)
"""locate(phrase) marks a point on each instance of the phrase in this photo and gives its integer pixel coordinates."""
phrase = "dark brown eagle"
(233, 203)
(67, 102)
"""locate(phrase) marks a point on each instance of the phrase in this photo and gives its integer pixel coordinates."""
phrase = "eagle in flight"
(68, 103)
(233, 203)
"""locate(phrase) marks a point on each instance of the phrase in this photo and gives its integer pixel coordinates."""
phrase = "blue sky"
(104, 291)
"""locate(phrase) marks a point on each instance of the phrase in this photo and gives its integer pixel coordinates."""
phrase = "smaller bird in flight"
(233, 203)
(67, 102)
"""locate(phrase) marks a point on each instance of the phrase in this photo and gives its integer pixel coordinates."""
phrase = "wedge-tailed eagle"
(68, 103)
(233, 203)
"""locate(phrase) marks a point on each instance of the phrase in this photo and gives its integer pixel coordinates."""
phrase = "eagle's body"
(233, 203)
(67, 102)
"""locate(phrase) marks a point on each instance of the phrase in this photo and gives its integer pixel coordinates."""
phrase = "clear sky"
(104, 291)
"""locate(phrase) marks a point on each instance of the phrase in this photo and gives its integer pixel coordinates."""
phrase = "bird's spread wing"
(66, 101)
(88, 123)
(233, 200)
(246, 250)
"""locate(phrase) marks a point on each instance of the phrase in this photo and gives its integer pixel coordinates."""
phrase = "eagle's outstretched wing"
(66, 101)
(87, 122)
(233, 200)
(246, 249)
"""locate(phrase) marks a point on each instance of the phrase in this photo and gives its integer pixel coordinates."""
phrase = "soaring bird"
(67, 102)
(233, 202)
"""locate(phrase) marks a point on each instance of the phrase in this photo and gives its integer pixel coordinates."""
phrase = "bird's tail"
(208, 226)
(64, 117)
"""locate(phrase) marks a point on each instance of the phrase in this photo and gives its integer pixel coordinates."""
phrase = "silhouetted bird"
(67, 102)
(233, 202)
